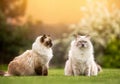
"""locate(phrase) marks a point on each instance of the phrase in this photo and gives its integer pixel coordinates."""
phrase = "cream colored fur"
(80, 61)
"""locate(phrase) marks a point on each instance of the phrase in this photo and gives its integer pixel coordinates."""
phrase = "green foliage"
(13, 41)
(56, 76)
(112, 54)
(3, 67)
(59, 50)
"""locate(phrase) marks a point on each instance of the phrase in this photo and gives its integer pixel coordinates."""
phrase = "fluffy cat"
(80, 58)
(34, 61)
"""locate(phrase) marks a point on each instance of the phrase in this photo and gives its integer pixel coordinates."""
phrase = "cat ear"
(42, 38)
(43, 35)
(88, 36)
(75, 35)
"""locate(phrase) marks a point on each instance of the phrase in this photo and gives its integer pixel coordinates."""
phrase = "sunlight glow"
(56, 11)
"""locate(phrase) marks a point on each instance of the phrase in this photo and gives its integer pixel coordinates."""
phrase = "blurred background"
(21, 21)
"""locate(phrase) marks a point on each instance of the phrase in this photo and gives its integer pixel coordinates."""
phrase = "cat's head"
(42, 45)
(43, 41)
(46, 40)
(82, 42)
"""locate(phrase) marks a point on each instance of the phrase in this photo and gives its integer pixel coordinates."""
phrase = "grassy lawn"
(56, 76)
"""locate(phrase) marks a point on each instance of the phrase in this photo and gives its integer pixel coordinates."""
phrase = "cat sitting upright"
(34, 61)
(81, 58)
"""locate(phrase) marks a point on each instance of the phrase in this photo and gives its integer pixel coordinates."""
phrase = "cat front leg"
(38, 70)
(45, 71)
(41, 70)
(68, 68)
(76, 71)
(87, 71)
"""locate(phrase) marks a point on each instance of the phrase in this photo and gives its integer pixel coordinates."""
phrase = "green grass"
(56, 76)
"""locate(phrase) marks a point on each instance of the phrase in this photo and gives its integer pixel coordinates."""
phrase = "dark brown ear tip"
(44, 35)
(42, 38)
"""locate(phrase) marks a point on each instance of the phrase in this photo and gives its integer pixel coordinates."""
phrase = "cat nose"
(49, 43)
(82, 45)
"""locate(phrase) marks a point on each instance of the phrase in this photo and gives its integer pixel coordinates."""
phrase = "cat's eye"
(82, 41)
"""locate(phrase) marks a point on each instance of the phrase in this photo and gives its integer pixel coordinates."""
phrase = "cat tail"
(3, 73)
(99, 68)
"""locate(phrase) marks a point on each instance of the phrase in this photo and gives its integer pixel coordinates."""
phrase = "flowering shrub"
(103, 24)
